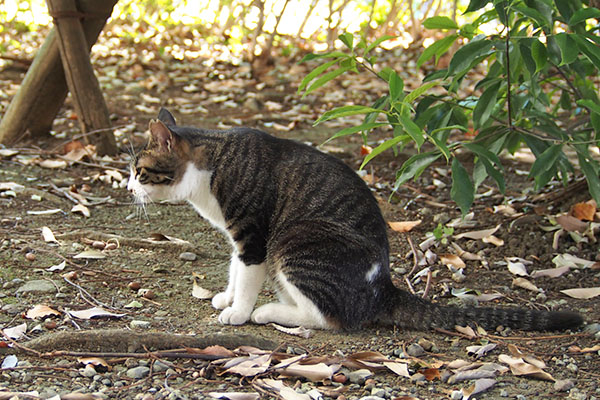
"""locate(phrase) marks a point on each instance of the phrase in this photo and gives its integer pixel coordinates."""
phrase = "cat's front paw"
(233, 316)
(222, 300)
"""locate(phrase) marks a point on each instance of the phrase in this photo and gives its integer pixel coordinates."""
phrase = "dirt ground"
(158, 266)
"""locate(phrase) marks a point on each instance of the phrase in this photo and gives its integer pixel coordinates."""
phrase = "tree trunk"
(312, 6)
(82, 82)
(44, 88)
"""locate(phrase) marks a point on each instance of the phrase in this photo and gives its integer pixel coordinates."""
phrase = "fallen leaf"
(496, 241)
(8, 152)
(517, 268)
(570, 224)
(41, 311)
(298, 331)
(159, 237)
(95, 362)
(250, 366)
(81, 209)
(399, 368)
(584, 211)
(466, 330)
(404, 226)
(465, 254)
(90, 254)
(215, 350)
(134, 304)
(477, 234)
(16, 332)
(45, 212)
(582, 293)
(507, 210)
(452, 259)
(234, 395)
(480, 385)
(431, 374)
(198, 291)
(94, 312)
(572, 261)
(551, 272)
(519, 367)
(315, 373)
(525, 284)
(48, 235)
(479, 351)
(57, 267)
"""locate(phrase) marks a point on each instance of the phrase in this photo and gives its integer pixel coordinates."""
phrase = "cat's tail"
(407, 311)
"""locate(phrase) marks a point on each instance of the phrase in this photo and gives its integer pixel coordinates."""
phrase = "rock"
(418, 377)
(359, 376)
(138, 372)
(13, 283)
(11, 308)
(572, 367)
(159, 366)
(378, 392)
(592, 328)
(427, 345)
(188, 256)
(563, 385)
(415, 350)
(137, 324)
(88, 371)
(37, 286)
(456, 395)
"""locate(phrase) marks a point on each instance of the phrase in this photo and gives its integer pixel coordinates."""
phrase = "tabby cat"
(304, 220)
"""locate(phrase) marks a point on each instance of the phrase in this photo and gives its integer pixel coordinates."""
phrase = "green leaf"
(475, 5)
(396, 86)
(462, 191)
(440, 22)
(568, 48)
(419, 91)
(583, 14)
(331, 54)
(591, 176)
(381, 148)
(314, 73)
(539, 54)
(485, 105)
(591, 105)
(413, 130)
(354, 129)
(465, 55)
(414, 166)
(437, 49)
(591, 51)
(345, 111)
(326, 78)
(525, 49)
(533, 14)
(348, 39)
(545, 161)
(483, 152)
(377, 42)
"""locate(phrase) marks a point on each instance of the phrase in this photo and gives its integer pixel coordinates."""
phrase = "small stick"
(428, 284)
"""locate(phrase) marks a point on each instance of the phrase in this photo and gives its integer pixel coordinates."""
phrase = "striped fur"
(303, 220)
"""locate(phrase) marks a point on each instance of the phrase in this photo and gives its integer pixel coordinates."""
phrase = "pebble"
(563, 385)
(378, 392)
(427, 345)
(137, 324)
(415, 350)
(11, 284)
(137, 372)
(418, 377)
(359, 376)
(456, 395)
(37, 286)
(11, 308)
(592, 328)
(572, 367)
(88, 371)
(576, 394)
(159, 366)
(188, 256)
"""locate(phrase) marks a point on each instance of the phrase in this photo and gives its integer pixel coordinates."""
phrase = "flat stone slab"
(37, 286)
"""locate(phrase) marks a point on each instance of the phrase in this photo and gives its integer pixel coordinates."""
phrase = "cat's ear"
(165, 116)
(161, 135)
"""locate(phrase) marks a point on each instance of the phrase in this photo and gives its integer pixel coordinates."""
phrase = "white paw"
(232, 316)
(264, 314)
(222, 300)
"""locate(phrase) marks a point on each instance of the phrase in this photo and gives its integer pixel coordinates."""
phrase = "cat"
(303, 220)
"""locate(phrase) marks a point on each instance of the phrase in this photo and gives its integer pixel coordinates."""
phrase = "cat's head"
(157, 170)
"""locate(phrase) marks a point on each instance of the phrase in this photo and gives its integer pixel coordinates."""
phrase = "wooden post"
(83, 85)
(44, 87)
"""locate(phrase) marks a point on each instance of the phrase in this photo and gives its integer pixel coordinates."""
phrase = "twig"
(82, 291)
(178, 353)
(415, 255)
(428, 284)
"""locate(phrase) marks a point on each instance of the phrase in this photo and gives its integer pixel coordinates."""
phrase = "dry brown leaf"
(571, 224)
(477, 234)
(81, 209)
(41, 311)
(466, 330)
(465, 254)
(431, 374)
(94, 312)
(480, 385)
(496, 241)
(249, 366)
(215, 350)
(298, 331)
(404, 226)
(551, 272)
(315, 373)
(479, 351)
(582, 293)
(198, 291)
(90, 254)
(95, 362)
(159, 237)
(517, 268)
(48, 235)
(234, 395)
(399, 368)
(453, 260)
(584, 211)
(519, 367)
(16, 332)
(525, 284)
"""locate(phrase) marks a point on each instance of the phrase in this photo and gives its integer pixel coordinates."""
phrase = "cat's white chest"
(194, 187)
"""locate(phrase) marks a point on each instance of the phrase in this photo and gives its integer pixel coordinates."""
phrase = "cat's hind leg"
(248, 283)
(295, 309)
